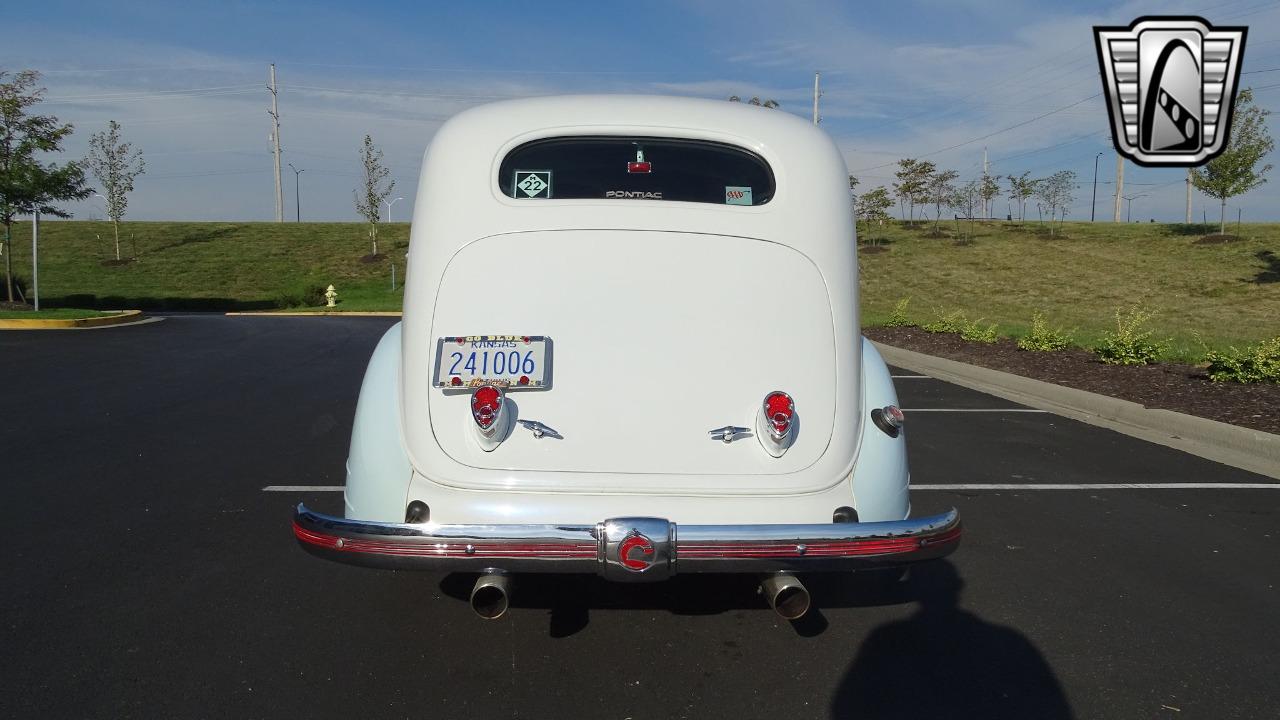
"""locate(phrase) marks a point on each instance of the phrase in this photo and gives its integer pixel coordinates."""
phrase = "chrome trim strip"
(586, 549)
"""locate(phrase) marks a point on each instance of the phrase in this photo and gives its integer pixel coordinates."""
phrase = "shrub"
(1130, 344)
(976, 332)
(1043, 338)
(1260, 363)
(952, 322)
(898, 318)
(302, 292)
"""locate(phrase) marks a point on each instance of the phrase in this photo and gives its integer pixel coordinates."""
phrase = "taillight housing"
(889, 419)
(488, 413)
(776, 422)
(486, 405)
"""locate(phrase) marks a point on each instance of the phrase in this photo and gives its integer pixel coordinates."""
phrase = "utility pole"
(1119, 184)
(1093, 208)
(986, 170)
(817, 93)
(274, 112)
(1188, 196)
(297, 191)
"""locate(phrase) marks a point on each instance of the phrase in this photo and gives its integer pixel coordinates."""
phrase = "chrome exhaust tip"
(786, 595)
(490, 597)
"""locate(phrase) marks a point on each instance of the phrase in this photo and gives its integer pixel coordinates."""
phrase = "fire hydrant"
(332, 296)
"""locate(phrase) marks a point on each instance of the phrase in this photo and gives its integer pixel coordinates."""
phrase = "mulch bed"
(1170, 386)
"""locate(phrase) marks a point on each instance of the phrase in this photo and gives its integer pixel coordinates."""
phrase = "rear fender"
(378, 468)
(881, 476)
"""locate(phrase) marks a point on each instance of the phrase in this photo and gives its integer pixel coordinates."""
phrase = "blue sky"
(909, 78)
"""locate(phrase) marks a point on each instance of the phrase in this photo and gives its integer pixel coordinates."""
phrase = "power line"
(142, 95)
(989, 135)
(347, 91)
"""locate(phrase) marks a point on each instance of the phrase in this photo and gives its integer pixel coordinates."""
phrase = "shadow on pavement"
(944, 661)
(570, 598)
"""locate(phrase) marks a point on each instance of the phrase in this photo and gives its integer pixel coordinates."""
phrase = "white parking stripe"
(1022, 410)
(1102, 486)
(910, 377)
(304, 488)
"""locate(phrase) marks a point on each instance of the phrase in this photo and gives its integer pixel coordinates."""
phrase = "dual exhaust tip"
(491, 595)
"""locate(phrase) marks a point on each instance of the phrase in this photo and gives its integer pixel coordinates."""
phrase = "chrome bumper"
(627, 549)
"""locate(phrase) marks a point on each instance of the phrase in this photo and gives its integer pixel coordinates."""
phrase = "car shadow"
(944, 661)
(570, 598)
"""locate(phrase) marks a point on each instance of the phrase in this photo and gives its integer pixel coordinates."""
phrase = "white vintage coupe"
(630, 347)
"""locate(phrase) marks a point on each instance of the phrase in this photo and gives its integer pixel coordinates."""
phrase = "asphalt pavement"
(145, 572)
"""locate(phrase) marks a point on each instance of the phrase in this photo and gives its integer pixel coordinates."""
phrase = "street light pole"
(35, 254)
(1129, 213)
(1093, 209)
(389, 204)
(297, 191)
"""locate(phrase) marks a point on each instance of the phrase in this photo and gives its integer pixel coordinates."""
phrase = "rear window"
(636, 168)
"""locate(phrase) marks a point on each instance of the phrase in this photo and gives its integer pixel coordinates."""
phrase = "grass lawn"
(1220, 294)
(1216, 294)
(54, 314)
(213, 266)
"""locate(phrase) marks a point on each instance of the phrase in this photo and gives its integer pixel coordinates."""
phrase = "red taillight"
(486, 402)
(639, 167)
(779, 410)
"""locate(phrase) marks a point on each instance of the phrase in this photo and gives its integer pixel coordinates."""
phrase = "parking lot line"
(1102, 486)
(988, 410)
(956, 486)
(910, 377)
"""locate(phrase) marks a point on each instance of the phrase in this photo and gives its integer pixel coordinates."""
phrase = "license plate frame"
(479, 362)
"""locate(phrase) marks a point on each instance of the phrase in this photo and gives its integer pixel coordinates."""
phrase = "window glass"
(636, 168)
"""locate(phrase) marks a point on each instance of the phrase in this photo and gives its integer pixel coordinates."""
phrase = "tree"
(1056, 192)
(940, 190)
(1236, 170)
(115, 163)
(853, 183)
(913, 180)
(372, 193)
(26, 184)
(988, 188)
(1021, 188)
(873, 204)
(965, 197)
(755, 100)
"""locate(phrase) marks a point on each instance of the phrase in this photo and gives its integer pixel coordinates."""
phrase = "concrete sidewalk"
(1244, 448)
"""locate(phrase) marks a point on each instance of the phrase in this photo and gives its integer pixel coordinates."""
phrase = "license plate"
(514, 362)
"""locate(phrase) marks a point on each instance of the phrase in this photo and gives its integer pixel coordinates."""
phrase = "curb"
(317, 313)
(1244, 448)
(124, 318)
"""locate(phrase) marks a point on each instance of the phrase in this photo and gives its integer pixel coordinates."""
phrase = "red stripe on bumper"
(575, 551)
(843, 548)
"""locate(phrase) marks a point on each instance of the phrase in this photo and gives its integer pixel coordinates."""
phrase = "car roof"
(459, 199)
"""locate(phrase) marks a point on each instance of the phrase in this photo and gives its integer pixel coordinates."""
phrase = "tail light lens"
(486, 404)
(779, 411)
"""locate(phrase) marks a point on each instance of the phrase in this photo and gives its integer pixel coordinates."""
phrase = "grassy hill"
(1220, 293)
(212, 266)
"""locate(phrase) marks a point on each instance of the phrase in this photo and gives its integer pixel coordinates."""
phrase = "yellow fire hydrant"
(332, 296)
